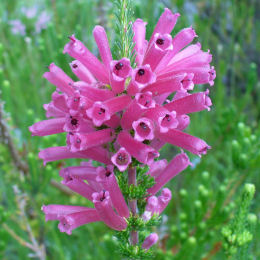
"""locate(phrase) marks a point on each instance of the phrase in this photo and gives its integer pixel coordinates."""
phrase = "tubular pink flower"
(78, 104)
(144, 129)
(81, 142)
(74, 220)
(198, 59)
(180, 94)
(159, 112)
(183, 121)
(131, 114)
(150, 241)
(165, 23)
(62, 152)
(141, 77)
(167, 121)
(52, 111)
(108, 180)
(101, 112)
(121, 159)
(77, 123)
(113, 122)
(78, 51)
(201, 75)
(145, 99)
(117, 104)
(60, 79)
(120, 70)
(79, 172)
(139, 40)
(80, 187)
(156, 167)
(100, 36)
(185, 141)
(91, 92)
(185, 53)
(175, 166)
(166, 85)
(161, 45)
(190, 104)
(160, 99)
(60, 101)
(163, 200)
(55, 212)
(105, 210)
(157, 144)
(151, 206)
(187, 82)
(143, 153)
(182, 39)
(82, 72)
(48, 127)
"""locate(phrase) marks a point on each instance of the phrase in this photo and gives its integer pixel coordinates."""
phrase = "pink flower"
(106, 177)
(103, 205)
(82, 72)
(121, 159)
(142, 152)
(120, 70)
(102, 111)
(144, 129)
(60, 79)
(141, 77)
(100, 36)
(139, 40)
(121, 116)
(150, 241)
(70, 217)
(177, 165)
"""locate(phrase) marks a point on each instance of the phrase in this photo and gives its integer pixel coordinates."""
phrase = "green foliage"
(236, 235)
(138, 191)
(136, 223)
(123, 10)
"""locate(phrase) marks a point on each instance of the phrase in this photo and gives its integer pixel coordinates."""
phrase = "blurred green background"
(206, 197)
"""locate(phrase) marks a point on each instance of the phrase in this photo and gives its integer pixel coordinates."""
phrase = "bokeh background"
(206, 197)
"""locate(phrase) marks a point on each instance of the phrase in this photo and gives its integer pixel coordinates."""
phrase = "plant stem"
(124, 17)
(8, 140)
(133, 203)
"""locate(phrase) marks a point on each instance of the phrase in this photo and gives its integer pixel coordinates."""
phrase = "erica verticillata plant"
(120, 114)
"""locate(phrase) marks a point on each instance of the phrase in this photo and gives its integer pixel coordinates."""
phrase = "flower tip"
(72, 38)
(46, 74)
(31, 129)
(98, 29)
(43, 207)
(150, 241)
(198, 44)
(42, 156)
(138, 20)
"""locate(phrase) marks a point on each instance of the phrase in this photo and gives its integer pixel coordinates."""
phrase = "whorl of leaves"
(123, 11)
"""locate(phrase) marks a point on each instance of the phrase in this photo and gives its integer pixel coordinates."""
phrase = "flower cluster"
(118, 114)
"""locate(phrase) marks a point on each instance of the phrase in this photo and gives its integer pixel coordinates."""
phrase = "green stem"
(133, 203)
(124, 18)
